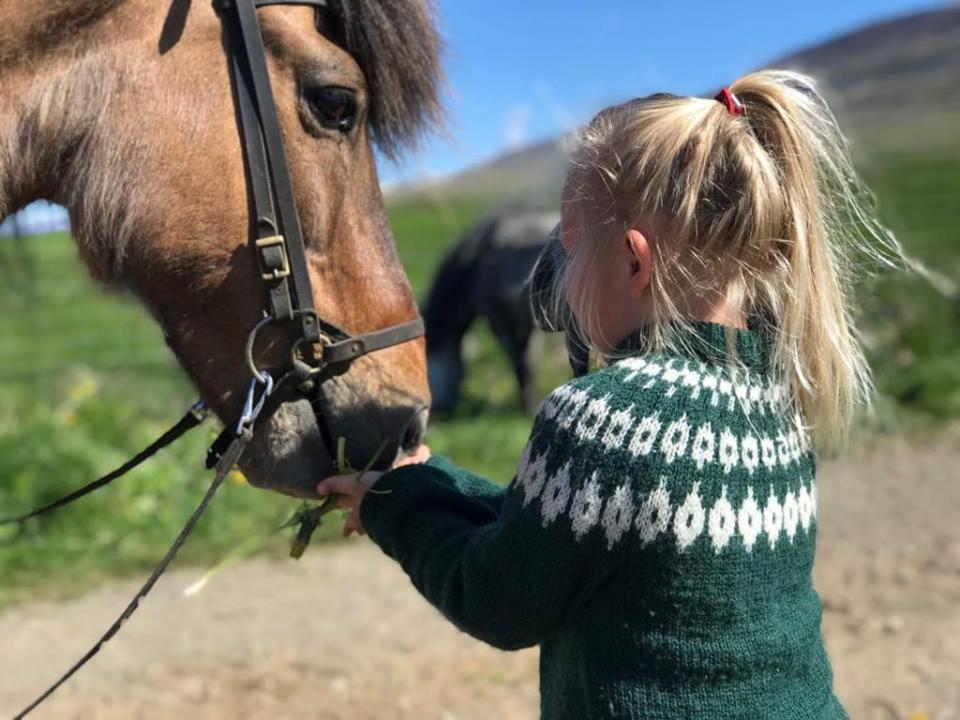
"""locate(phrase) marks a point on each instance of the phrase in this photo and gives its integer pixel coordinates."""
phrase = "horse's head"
(129, 120)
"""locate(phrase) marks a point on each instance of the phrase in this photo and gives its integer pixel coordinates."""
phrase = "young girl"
(658, 539)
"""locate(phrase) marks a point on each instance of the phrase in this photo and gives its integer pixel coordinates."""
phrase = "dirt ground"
(342, 634)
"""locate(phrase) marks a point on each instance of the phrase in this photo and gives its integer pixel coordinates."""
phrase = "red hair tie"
(729, 100)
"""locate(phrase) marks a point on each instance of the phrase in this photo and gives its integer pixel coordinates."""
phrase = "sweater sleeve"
(483, 491)
(506, 566)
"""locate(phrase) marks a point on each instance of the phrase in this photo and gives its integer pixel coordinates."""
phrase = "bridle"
(276, 233)
(320, 351)
(278, 239)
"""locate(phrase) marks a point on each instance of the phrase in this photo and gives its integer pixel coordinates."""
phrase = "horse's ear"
(397, 46)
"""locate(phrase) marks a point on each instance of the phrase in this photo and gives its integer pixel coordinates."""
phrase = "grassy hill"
(896, 83)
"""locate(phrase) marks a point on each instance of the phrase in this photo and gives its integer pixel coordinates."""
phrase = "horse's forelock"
(397, 46)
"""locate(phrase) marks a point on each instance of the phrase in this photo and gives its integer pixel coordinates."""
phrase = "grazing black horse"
(486, 275)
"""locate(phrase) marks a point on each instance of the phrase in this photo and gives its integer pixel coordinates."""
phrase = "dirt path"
(343, 635)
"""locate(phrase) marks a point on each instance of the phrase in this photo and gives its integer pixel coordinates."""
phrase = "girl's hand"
(351, 489)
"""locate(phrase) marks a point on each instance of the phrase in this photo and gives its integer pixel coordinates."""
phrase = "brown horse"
(122, 111)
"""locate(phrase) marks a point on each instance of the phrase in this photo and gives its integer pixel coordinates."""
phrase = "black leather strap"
(279, 239)
(194, 417)
(230, 458)
(272, 258)
(356, 346)
(315, 3)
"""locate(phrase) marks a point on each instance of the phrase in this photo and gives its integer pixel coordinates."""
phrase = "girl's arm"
(480, 489)
(508, 567)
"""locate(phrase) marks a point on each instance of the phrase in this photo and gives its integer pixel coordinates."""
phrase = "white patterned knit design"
(753, 514)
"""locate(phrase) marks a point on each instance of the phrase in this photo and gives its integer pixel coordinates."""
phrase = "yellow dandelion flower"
(83, 387)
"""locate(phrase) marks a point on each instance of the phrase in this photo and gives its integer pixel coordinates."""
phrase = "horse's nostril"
(413, 435)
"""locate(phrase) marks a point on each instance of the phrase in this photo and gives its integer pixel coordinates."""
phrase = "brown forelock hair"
(396, 45)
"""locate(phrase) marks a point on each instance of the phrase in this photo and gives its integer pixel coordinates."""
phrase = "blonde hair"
(763, 210)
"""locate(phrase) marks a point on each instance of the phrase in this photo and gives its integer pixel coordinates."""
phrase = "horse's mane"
(396, 44)
(49, 24)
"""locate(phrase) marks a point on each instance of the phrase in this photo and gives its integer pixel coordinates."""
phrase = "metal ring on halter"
(251, 341)
(316, 369)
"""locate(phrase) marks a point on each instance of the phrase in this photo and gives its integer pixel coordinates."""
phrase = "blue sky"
(523, 70)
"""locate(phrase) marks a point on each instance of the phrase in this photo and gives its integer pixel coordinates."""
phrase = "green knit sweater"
(657, 543)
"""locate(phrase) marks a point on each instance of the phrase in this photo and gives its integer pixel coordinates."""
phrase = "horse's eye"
(334, 107)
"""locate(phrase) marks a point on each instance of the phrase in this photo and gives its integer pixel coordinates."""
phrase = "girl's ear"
(641, 266)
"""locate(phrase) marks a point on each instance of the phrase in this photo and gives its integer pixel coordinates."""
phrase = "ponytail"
(830, 232)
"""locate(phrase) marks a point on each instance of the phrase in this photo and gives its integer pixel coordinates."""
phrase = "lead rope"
(226, 463)
(244, 433)
(194, 417)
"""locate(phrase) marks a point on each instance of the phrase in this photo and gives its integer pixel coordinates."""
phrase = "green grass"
(913, 330)
(86, 380)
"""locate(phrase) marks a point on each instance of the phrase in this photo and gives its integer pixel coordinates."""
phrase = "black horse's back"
(485, 275)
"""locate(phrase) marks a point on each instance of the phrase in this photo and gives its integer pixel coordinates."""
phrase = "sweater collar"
(708, 342)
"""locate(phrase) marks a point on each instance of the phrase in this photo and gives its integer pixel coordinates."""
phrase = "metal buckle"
(274, 241)
(199, 410)
(253, 405)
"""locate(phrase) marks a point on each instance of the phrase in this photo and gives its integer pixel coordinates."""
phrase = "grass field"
(86, 380)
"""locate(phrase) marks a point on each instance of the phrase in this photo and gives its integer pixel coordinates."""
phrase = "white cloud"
(562, 117)
(517, 125)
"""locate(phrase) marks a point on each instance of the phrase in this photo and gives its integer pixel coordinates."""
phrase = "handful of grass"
(310, 516)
